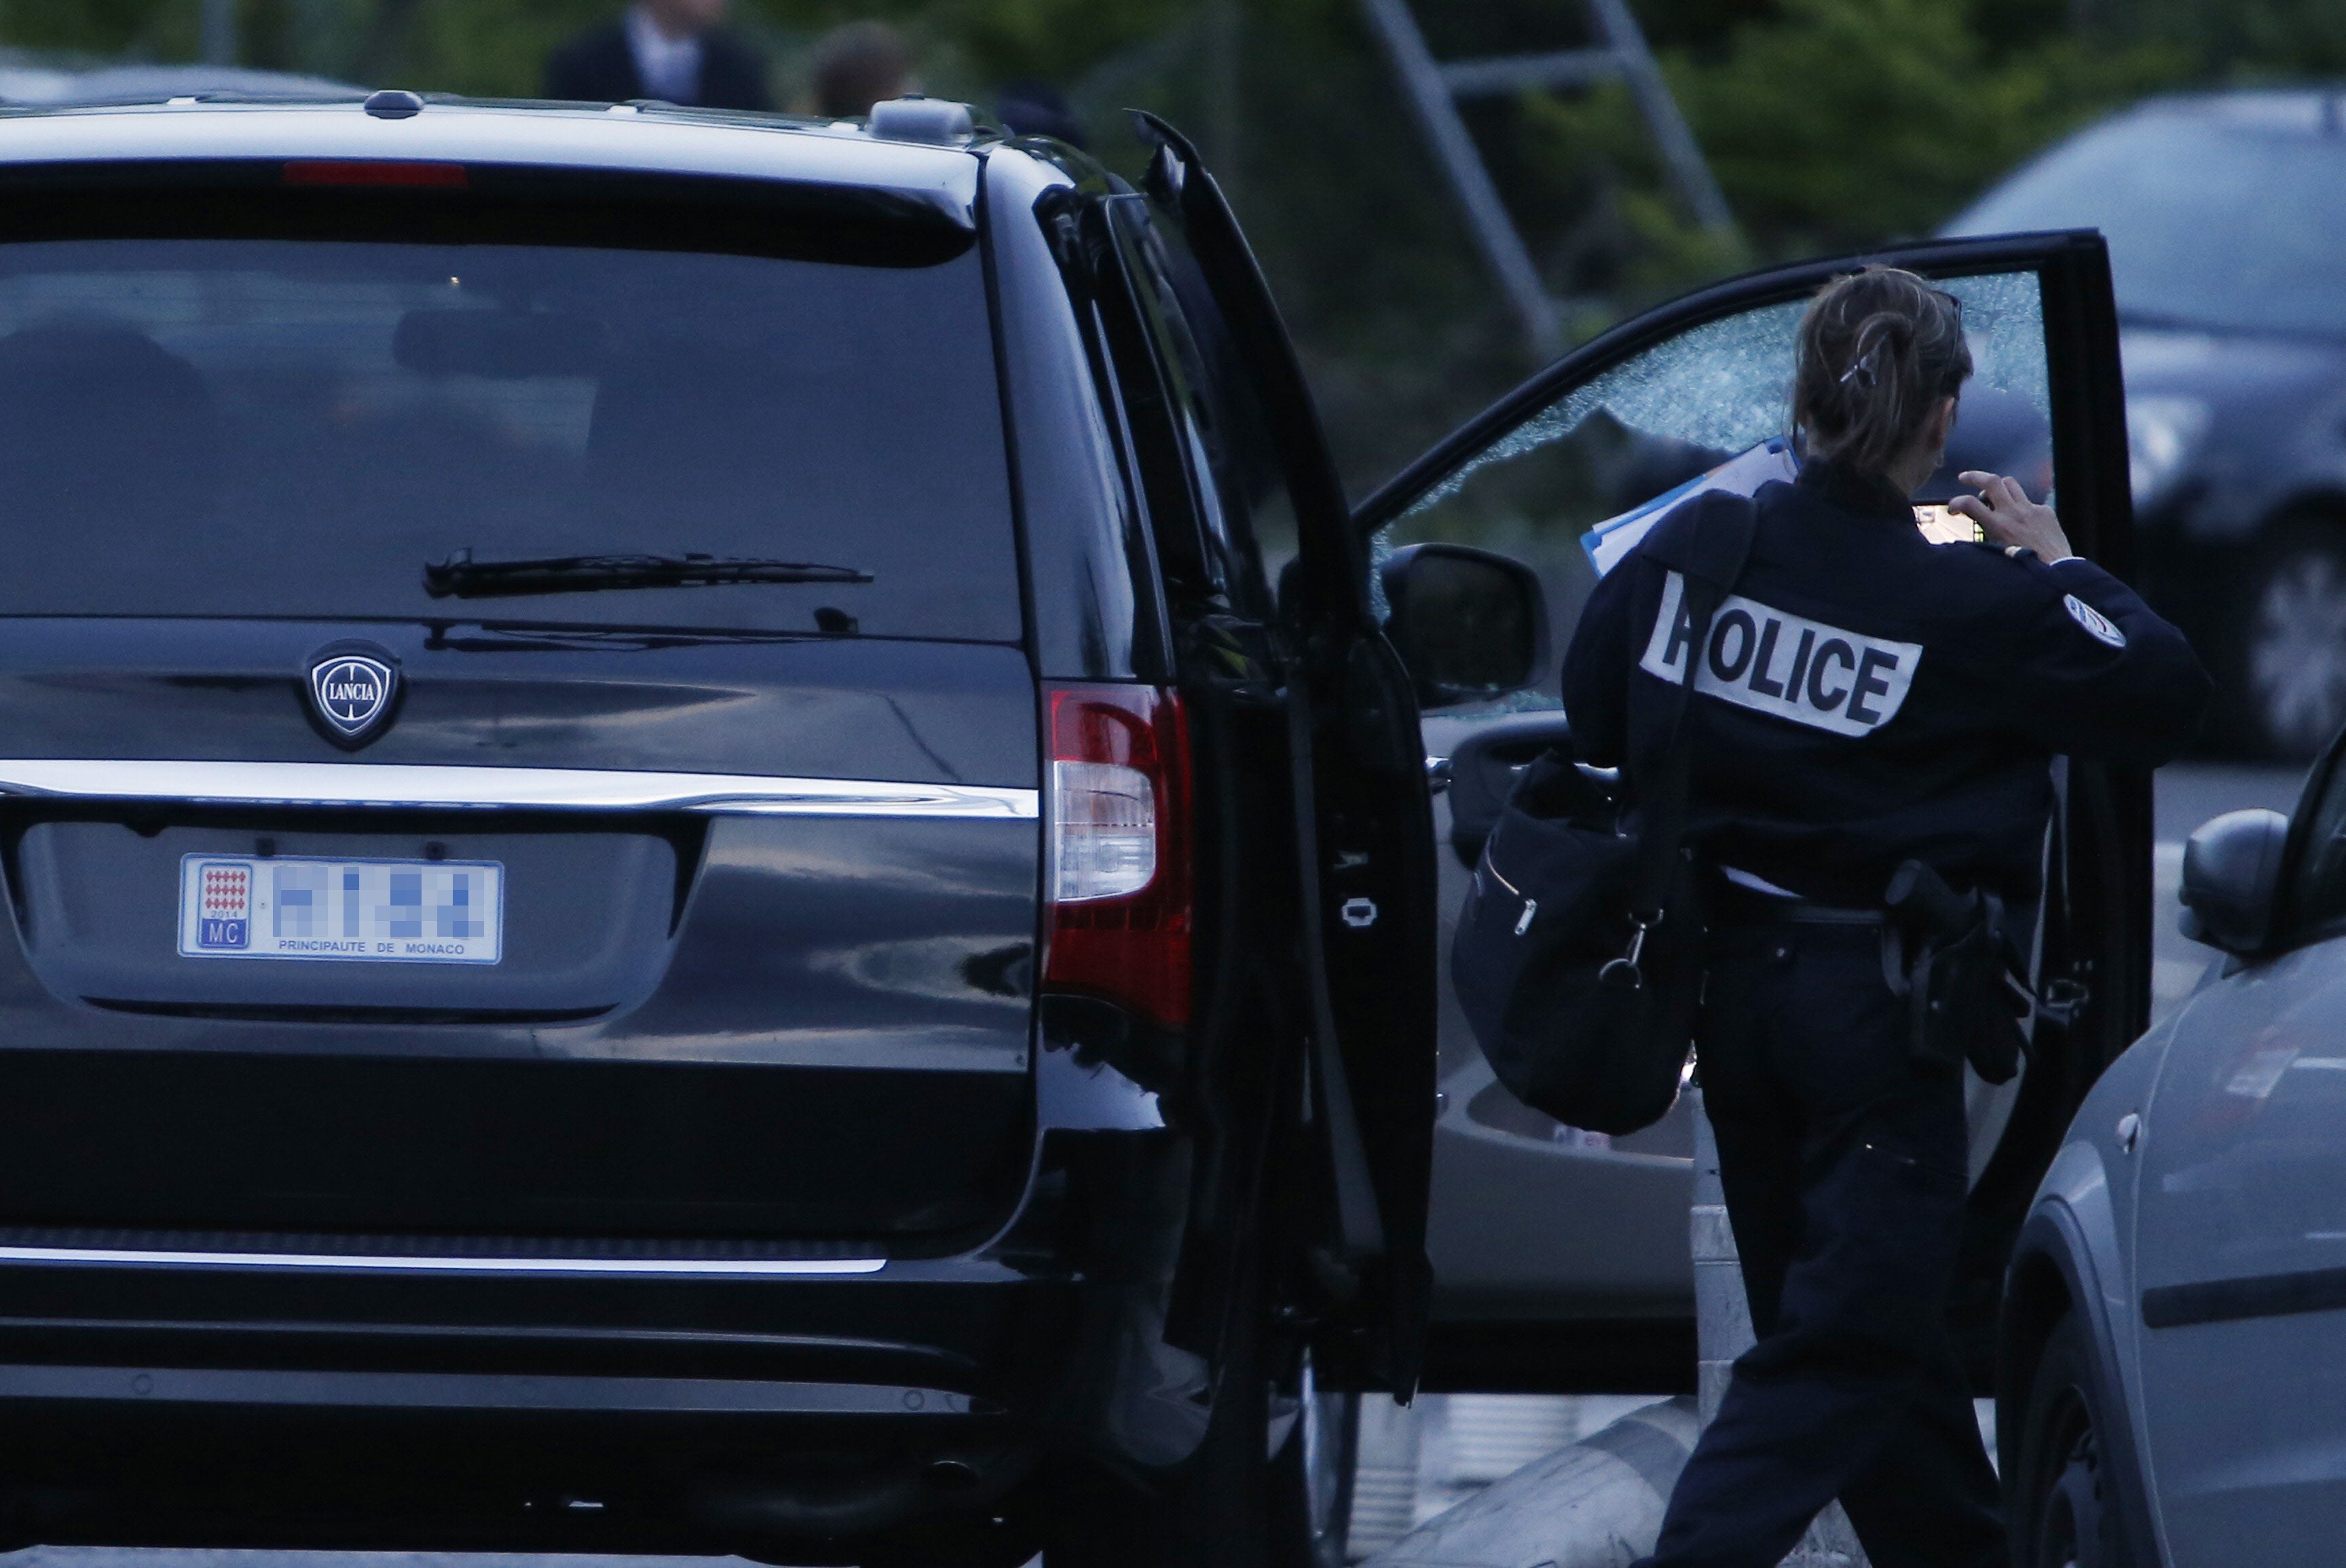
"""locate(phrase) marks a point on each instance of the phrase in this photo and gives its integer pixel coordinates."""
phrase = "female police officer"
(1907, 706)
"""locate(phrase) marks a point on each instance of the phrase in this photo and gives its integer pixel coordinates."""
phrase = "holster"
(1948, 955)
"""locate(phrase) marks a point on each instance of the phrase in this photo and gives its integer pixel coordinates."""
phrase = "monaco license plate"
(384, 912)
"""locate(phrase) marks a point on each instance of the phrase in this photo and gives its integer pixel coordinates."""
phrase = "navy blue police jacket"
(1866, 697)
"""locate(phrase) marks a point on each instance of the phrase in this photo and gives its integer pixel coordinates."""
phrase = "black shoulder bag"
(1578, 957)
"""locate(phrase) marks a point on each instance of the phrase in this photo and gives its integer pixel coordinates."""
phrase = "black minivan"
(674, 880)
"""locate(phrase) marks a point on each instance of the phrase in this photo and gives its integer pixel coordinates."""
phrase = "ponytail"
(1878, 350)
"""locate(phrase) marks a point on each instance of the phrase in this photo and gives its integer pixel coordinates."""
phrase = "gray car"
(2226, 214)
(2174, 1382)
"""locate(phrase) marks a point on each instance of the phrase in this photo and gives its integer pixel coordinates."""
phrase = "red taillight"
(1117, 879)
(374, 171)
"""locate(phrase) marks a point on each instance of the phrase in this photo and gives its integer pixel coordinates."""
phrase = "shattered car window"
(1625, 441)
(1723, 386)
(2003, 321)
(1628, 434)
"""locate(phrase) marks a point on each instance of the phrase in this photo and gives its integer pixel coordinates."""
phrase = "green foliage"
(2242, 39)
(489, 50)
(1846, 121)
(153, 28)
(1051, 40)
(1831, 125)
(496, 48)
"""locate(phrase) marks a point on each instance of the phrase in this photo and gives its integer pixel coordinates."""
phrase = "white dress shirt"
(670, 67)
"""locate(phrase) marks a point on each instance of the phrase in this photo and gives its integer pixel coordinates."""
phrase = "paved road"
(1480, 1436)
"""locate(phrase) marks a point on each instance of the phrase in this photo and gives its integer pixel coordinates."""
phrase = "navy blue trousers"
(1844, 1166)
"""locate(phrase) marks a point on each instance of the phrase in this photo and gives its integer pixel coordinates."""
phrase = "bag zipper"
(1531, 906)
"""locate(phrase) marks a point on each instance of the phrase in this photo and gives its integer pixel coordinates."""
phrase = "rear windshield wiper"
(462, 578)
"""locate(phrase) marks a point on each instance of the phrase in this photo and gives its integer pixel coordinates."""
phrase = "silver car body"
(2195, 1222)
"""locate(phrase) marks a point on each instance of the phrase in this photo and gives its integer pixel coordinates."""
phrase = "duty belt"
(1734, 905)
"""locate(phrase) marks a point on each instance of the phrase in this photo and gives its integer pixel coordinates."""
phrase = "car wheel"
(1214, 1510)
(2065, 1510)
(2286, 658)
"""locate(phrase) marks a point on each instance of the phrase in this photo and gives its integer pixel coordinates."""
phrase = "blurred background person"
(673, 50)
(1039, 108)
(857, 66)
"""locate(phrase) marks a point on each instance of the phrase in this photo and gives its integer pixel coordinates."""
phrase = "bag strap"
(1722, 526)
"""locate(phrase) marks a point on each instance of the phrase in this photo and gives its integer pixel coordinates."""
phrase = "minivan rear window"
(272, 426)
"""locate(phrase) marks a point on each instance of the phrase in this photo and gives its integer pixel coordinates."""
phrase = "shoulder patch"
(2097, 624)
(1771, 661)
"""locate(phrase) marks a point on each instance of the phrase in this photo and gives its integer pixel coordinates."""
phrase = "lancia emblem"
(351, 693)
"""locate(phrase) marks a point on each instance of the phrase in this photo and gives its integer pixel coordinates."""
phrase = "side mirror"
(1471, 625)
(2231, 869)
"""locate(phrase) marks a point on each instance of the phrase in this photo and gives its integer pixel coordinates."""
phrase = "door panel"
(2240, 1234)
(1364, 833)
(1612, 432)
(2241, 1219)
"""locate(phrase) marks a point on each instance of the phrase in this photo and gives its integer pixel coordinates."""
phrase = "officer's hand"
(2007, 517)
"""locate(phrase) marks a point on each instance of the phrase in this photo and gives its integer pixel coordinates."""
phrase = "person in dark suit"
(1038, 108)
(673, 50)
(857, 65)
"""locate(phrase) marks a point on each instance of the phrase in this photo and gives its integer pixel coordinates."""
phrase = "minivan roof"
(2307, 110)
(631, 139)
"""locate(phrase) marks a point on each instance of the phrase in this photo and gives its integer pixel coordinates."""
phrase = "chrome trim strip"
(540, 789)
(476, 1391)
(771, 1268)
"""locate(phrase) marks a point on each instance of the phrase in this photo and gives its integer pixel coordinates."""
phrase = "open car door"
(1364, 849)
(1561, 1257)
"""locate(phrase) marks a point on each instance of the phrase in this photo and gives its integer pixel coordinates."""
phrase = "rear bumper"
(445, 1394)
(355, 1407)
(946, 1321)
(235, 1388)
